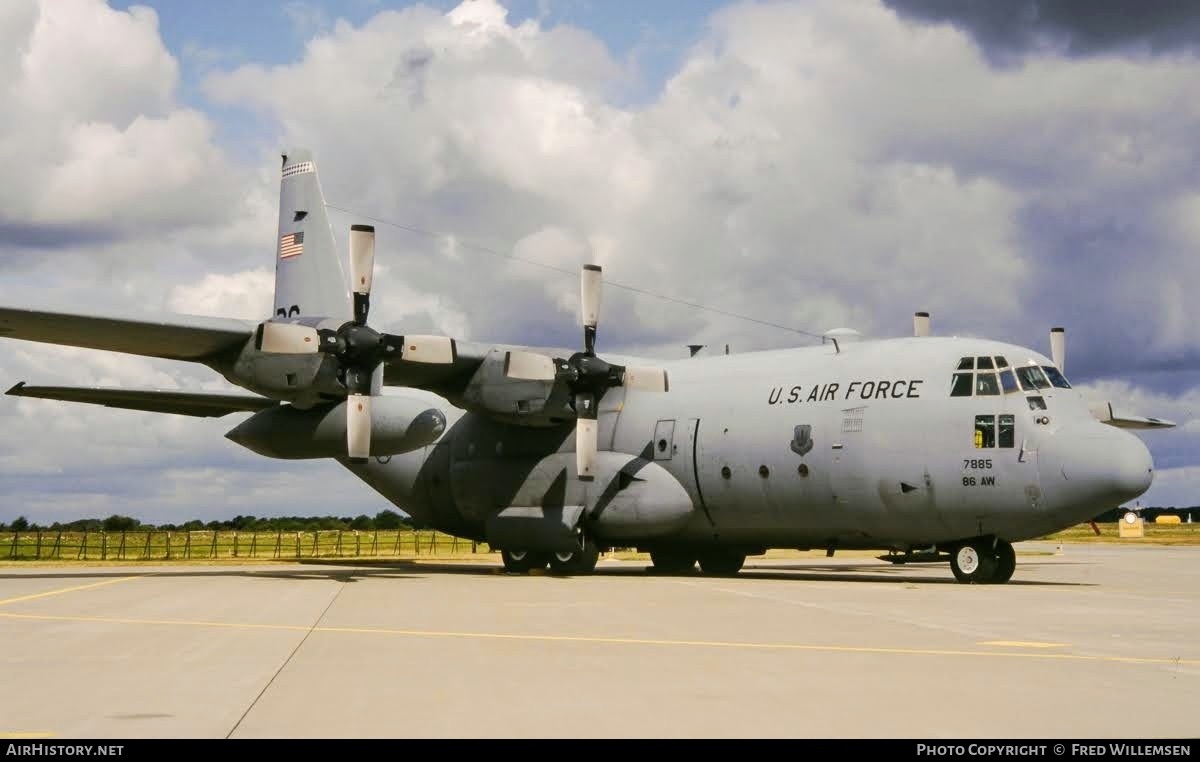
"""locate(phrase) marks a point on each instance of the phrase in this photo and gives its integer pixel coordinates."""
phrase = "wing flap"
(172, 337)
(200, 404)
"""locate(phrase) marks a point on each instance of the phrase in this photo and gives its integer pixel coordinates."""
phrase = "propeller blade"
(589, 305)
(921, 324)
(1058, 347)
(289, 338)
(362, 269)
(358, 427)
(585, 448)
(437, 350)
(646, 379)
(528, 366)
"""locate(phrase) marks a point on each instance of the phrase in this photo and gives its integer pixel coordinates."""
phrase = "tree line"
(385, 519)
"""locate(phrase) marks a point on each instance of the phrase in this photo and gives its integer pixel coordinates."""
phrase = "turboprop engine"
(400, 424)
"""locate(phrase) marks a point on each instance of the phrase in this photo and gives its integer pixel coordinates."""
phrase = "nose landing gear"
(985, 561)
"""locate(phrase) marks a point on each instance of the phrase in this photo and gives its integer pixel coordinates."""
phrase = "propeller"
(586, 376)
(1058, 348)
(359, 349)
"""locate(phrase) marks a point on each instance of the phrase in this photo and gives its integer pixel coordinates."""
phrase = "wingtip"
(16, 388)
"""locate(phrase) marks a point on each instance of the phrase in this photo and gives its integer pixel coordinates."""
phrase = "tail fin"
(309, 279)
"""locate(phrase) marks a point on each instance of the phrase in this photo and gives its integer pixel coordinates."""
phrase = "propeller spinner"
(587, 376)
(359, 349)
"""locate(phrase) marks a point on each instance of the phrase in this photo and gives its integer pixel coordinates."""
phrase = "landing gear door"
(664, 440)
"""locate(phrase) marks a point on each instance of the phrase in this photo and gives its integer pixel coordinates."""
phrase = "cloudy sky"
(819, 163)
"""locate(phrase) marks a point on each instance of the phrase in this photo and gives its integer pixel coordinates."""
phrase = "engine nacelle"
(398, 425)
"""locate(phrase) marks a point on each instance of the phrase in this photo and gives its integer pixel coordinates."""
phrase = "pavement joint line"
(18, 734)
(48, 593)
(1022, 644)
(596, 639)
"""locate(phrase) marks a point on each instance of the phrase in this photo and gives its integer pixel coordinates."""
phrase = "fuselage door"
(847, 478)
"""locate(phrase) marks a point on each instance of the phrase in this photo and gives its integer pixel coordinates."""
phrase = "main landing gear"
(715, 562)
(569, 563)
(985, 561)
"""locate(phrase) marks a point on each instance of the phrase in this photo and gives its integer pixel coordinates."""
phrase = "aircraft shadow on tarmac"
(349, 570)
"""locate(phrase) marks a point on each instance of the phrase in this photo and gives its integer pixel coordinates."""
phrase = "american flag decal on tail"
(291, 245)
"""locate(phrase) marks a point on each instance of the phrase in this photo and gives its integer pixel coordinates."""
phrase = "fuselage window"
(1008, 382)
(1032, 378)
(985, 431)
(1001, 362)
(985, 384)
(1056, 378)
(961, 386)
(1036, 403)
(984, 363)
(967, 363)
(1008, 426)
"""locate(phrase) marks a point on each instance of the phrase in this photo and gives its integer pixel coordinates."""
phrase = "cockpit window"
(985, 383)
(1056, 377)
(1008, 382)
(1032, 378)
(967, 363)
(983, 363)
(1036, 402)
(961, 386)
(1001, 362)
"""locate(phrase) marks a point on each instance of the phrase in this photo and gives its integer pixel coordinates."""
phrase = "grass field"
(210, 546)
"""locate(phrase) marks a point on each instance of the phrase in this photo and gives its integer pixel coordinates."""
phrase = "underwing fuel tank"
(398, 425)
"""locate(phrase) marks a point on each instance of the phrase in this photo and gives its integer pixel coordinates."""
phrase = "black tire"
(578, 562)
(1006, 562)
(672, 561)
(721, 562)
(974, 563)
(523, 561)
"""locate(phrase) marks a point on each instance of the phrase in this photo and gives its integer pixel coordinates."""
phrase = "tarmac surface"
(1095, 641)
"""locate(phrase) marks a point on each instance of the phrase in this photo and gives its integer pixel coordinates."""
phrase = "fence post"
(146, 550)
(121, 549)
(253, 543)
(375, 543)
(187, 545)
(38, 552)
(212, 550)
(278, 542)
(235, 538)
(12, 552)
(399, 534)
(57, 552)
(316, 542)
(168, 546)
(357, 543)
(337, 546)
(82, 548)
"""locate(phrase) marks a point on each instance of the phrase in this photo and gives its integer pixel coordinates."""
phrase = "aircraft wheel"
(1006, 562)
(576, 562)
(721, 562)
(523, 561)
(974, 563)
(672, 561)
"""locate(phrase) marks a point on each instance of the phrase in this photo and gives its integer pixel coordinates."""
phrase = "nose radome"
(1095, 462)
(1133, 468)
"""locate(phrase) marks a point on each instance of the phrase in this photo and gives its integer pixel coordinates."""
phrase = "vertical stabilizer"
(309, 280)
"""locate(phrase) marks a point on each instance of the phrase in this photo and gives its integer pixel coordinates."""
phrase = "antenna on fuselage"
(694, 348)
(921, 324)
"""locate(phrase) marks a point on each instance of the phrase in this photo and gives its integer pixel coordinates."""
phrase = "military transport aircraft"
(927, 448)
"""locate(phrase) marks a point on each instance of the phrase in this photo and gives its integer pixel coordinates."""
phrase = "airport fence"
(157, 545)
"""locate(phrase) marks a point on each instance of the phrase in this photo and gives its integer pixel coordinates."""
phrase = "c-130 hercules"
(924, 447)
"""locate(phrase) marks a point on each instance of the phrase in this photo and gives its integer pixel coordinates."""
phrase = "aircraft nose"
(1094, 465)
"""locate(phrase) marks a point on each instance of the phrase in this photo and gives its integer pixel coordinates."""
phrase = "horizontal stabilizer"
(169, 336)
(1103, 412)
(202, 404)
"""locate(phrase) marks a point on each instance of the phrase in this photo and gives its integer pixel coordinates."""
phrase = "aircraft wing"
(172, 337)
(201, 404)
(1103, 412)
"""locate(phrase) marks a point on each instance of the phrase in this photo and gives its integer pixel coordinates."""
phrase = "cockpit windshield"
(1056, 377)
(1032, 378)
